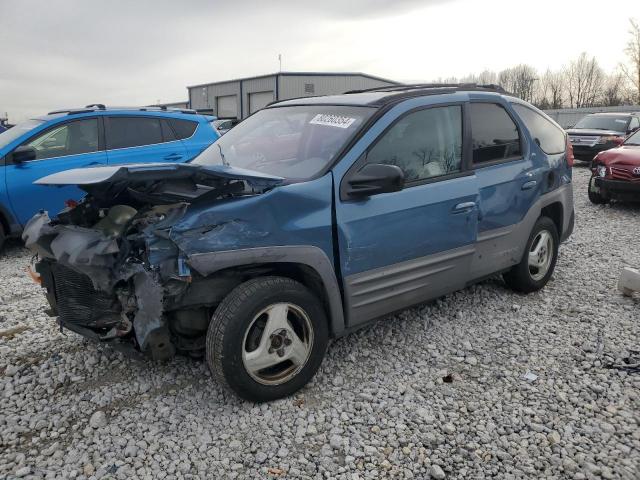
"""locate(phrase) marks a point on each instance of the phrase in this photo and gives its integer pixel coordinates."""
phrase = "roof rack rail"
(164, 108)
(99, 106)
(427, 86)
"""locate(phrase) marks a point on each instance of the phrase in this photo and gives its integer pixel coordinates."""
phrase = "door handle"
(464, 207)
(92, 164)
(173, 156)
(529, 185)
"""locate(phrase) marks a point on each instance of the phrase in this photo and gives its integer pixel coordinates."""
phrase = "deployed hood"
(623, 155)
(161, 182)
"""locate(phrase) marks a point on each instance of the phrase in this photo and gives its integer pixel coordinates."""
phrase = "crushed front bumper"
(619, 188)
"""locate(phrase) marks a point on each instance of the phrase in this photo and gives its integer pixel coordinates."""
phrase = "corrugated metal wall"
(293, 86)
(570, 116)
(204, 97)
(255, 85)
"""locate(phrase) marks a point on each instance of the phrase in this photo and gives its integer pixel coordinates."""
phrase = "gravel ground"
(482, 383)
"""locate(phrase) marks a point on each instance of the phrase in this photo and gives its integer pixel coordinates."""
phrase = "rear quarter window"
(127, 132)
(545, 133)
(183, 128)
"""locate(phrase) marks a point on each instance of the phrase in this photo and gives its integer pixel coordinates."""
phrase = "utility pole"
(280, 61)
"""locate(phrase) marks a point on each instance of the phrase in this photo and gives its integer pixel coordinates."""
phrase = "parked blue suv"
(309, 220)
(90, 136)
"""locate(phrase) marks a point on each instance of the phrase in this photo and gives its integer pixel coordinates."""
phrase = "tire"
(596, 197)
(247, 330)
(526, 278)
(3, 237)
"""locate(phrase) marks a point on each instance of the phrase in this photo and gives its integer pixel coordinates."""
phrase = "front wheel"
(595, 194)
(267, 338)
(539, 259)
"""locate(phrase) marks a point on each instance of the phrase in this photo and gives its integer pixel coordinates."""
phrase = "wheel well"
(554, 212)
(299, 272)
(306, 276)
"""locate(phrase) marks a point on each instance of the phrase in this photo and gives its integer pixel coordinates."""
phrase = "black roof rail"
(99, 106)
(427, 86)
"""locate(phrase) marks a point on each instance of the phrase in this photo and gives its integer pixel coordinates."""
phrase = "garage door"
(227, 106)
(259, 100)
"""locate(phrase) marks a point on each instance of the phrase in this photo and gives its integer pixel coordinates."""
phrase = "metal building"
(241, 97)
(178, 105)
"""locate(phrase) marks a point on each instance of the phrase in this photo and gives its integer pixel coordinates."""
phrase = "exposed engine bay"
(115, 269)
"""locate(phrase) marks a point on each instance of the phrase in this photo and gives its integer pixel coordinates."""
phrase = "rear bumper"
(569, 228)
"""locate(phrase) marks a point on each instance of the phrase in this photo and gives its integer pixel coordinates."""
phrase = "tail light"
(570, 157)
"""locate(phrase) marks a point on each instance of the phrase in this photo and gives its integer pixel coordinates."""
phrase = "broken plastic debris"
(530, 377)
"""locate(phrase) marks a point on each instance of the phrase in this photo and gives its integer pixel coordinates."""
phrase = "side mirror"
(23, 153)
(375, 178)
(569, 126)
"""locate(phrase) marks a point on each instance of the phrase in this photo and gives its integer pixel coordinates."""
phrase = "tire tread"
(226, 312)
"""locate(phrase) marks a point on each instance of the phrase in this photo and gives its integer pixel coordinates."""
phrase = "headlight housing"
(617, 139)
(602, 170)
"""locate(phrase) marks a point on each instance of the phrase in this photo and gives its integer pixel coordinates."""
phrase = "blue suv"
(93, 135)
(310, 219)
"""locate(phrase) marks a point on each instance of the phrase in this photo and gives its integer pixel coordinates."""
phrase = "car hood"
(623, 155)
(112, 180)
(592, 132)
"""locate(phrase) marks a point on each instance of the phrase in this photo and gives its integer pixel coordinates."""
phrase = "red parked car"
(616, 172)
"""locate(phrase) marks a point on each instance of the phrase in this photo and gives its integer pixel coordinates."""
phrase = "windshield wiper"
(224, 160)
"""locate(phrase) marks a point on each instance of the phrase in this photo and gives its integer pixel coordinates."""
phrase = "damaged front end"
(111, 265)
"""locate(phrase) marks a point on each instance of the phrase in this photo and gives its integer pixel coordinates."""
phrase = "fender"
(313, 257)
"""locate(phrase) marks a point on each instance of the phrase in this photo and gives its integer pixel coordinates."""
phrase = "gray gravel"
(483, 383)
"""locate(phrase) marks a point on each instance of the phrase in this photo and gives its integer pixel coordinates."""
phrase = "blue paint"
(384, 229)
(20, 199)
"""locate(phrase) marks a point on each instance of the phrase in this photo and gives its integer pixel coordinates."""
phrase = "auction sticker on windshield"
(332, 120)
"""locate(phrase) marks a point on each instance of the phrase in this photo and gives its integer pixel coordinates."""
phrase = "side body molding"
(313, 257)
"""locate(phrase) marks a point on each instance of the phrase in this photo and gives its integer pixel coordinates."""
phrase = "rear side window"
(125, 132)
(548, 136)
(183, 128)
(495, 136)
(167, 131)
(424, 144)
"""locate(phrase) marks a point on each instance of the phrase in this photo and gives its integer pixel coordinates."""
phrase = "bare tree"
(584, 81)
(549, 90)
(519, 80)
(615, 90)
(632, 71)
(487, 77)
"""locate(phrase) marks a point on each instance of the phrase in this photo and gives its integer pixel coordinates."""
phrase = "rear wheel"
(539, 259)
(3, 236)
(595, 194)
(267, 338)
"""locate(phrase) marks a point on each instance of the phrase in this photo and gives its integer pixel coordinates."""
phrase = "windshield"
(294, 142)
(633, 139)
(604, 122)
(14, 132)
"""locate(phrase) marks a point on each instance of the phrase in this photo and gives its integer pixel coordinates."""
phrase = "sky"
(68, 53)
